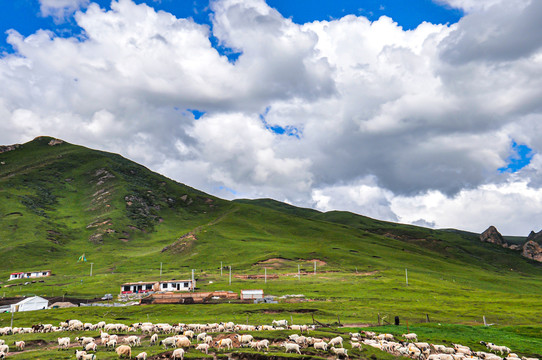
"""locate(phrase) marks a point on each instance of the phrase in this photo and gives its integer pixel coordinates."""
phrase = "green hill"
(60, 201)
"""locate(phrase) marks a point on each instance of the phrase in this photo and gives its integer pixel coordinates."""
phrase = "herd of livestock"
(180, 337)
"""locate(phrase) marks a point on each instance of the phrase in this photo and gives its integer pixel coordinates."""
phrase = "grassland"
(58, 202)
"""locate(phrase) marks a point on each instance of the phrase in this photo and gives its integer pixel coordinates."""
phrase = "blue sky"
(24, 15)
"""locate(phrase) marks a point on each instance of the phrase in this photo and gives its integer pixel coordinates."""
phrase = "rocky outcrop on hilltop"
(492, 235)
(532, 250)
(6, 148)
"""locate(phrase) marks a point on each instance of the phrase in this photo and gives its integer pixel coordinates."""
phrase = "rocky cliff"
(492, 235)
(532, 248)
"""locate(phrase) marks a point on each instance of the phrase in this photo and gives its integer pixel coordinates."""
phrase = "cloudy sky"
(423, 112)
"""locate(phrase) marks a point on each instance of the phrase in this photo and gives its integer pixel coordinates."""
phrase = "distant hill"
(59, 201)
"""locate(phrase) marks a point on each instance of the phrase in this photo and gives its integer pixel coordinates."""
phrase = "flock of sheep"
(181, 336)
(410, 347)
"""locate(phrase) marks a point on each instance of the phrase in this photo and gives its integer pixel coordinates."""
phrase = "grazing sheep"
(178, 354)
(355, 345)
(91, 347)
(169, 341)
(410, 336)
(88, 357)
(208, 339)
(280, 323)
(2, 342)
(2, 354)
(189, 333)
(182, 342)
(20, 345)
(369, 334)
(133, 340)
(258, 345)
(301, 340)
(154, 339)
(445, 357)
(225, 342)
(291, 347)
(203, 347)
(527, 358)
(387, 337)
(111, 344)
(336, 341)
(201, 336)
(339, 351)
(104, 337)
(244, 339)
(79, 354)
(124, 351)
(141, 356)
(322, 345)
(63, 343)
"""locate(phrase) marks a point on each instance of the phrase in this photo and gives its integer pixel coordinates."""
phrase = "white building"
(155, 286)
(29, 274)
(137, 287)
(251, 294)
(30, 304)
(177, 285)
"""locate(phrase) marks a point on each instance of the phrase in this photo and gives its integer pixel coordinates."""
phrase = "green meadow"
(59, 202)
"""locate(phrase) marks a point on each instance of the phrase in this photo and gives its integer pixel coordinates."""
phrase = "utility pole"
(230, 274)
(91, 268)
(315, 268)
(221, 268)
(192, 280)
(265, 276)
(160, 270)
(406, 276)
(299, 271)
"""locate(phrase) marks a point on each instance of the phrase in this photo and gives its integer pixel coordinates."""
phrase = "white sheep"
(322, 345)
(141, 356)
(84, 340)
(260, 344)
(208, 339)
(203, 348)
(111, 344)
(339, 351)
(132, 340)
(169, 341)
(182, 341)
(63, 343)
(336, 341)
(79, 354)
(91, 347)
(410, 336)
(124, 351)
(88, 357)
(225, 342)
(2, 355)
(355, 345)
(201, 336)
(20, 345)
(291, 347)
(244, 339)
(178, 354)
(387, 337)
(154, 339)
(280, 323)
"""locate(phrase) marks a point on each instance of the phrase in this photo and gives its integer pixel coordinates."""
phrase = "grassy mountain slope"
(57, 202)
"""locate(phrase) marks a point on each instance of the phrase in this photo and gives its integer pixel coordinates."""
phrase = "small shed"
(251, 294)
(30, 304)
